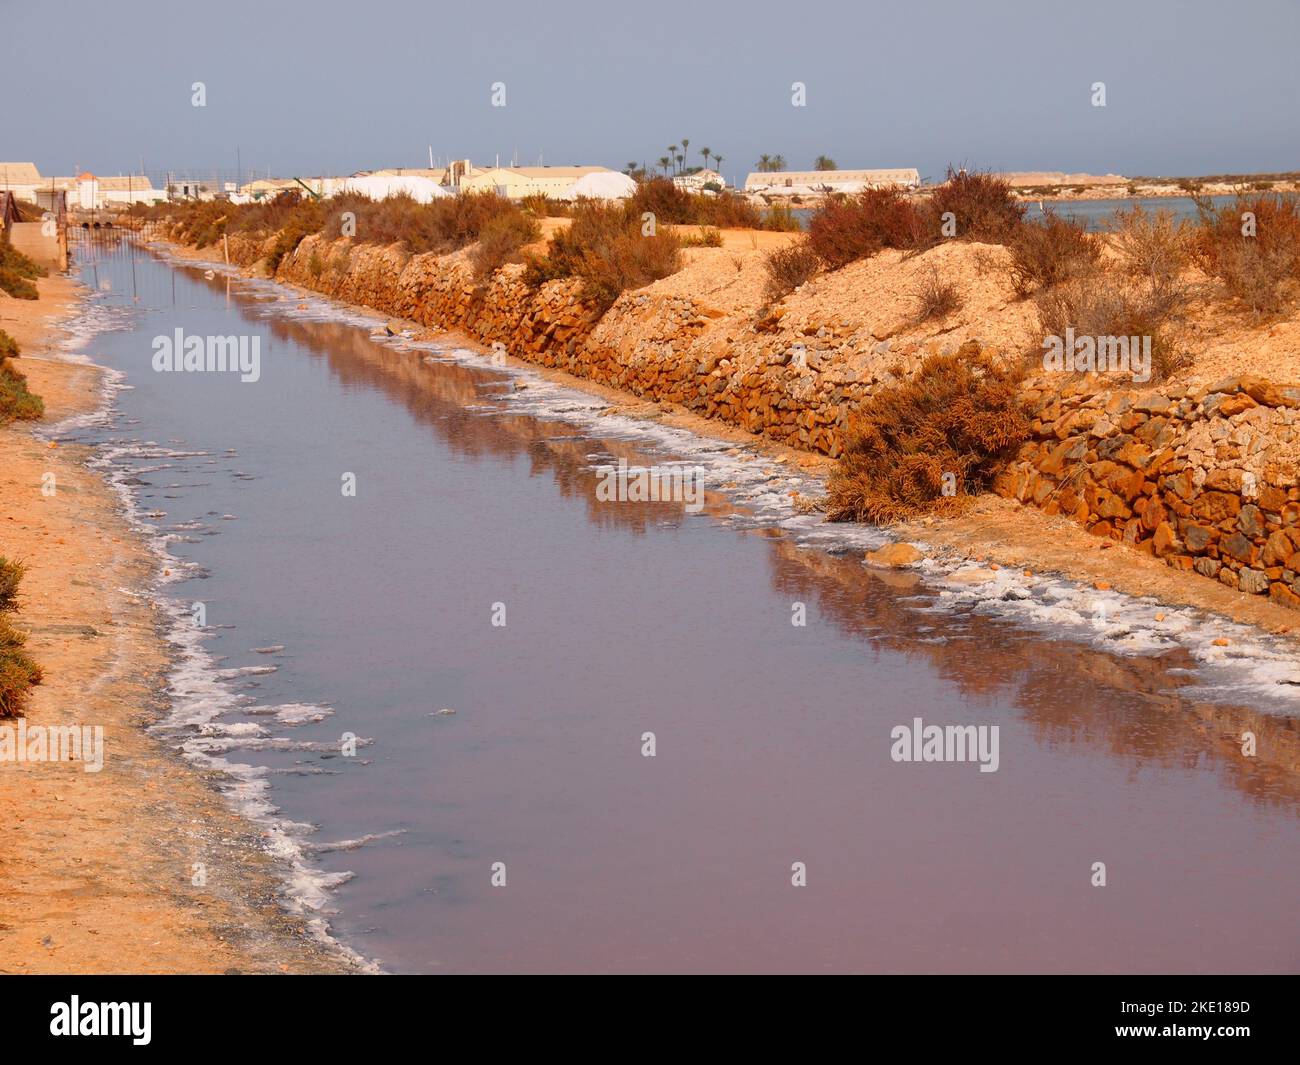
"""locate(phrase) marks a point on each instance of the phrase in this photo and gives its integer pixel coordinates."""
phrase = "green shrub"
(706, 237)
(780, 218)
(17, 671)
(11, 576)
(17, 272)
(16, 402)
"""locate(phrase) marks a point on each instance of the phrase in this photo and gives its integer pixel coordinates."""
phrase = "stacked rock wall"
(1206, 480)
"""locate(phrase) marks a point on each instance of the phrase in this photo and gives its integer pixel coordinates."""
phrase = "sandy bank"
(97, 869)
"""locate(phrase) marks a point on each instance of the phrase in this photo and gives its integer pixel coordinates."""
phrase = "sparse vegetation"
(606, 249)
(1156, 249)
(706, 237)
(16, 401)
(1047, 254)
(982, 205)
(847, 228)
(668, 203)
(789, 267)
(1253, 247)
(500, 242)
(936, 298)
(443, 225)
(1112, 307)
(959, 414)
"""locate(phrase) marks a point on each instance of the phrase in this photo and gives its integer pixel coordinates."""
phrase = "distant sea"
(1094, 214)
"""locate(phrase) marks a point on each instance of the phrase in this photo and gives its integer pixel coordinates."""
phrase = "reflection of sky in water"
(624, 618)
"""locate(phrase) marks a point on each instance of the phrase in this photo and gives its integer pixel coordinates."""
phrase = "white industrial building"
(817, 182)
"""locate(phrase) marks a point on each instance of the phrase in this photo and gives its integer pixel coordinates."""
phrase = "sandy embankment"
(96, 869)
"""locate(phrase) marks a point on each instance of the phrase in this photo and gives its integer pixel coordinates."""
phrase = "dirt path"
(97, 868)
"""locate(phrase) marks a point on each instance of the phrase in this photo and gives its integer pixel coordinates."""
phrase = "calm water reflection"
(772, 740)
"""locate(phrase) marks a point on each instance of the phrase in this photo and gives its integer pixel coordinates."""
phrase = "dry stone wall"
(1205, 480)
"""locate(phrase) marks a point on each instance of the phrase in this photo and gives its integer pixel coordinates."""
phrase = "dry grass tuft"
(936, 298)
(789, 267)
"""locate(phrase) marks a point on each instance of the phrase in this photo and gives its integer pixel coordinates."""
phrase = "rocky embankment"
(1207, 479)
(1203, 478)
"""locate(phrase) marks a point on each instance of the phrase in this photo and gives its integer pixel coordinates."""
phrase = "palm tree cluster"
(772, 164)
(675, 162)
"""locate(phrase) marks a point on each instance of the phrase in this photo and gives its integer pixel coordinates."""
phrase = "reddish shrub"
(960, 414)
(845, 229)
(1253, 248)
(981, 204)
(1048, 253)
(789, 267)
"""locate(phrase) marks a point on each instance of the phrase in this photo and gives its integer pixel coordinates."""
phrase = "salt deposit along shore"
(646, 353)
(237, 924)
(98, 869)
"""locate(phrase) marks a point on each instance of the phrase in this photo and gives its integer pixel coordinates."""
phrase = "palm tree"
(824, 162)
(764, 163)
(629, 168)
(663, 163)
(718, 159)
(778, 162)
(672, 151)
(685, 144)
(706, 152)
(680, 159)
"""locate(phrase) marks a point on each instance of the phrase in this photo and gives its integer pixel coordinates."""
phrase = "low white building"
(600, 185)
(381, 185)
(125, 189)
(816, 182)
(516, 182)
(695, 182)
(22, 179)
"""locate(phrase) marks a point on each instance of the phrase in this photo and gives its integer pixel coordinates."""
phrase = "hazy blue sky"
(324, 87)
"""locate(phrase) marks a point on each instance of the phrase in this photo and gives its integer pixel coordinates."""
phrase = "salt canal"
(646, 756)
